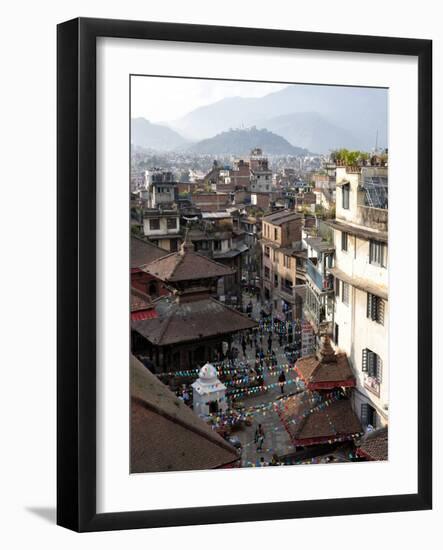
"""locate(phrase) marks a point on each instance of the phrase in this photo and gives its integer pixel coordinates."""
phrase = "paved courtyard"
(276, 439)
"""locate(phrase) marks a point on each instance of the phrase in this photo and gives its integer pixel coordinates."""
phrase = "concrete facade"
(361, 280)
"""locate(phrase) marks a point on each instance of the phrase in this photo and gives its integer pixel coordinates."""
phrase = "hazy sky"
(160, 99)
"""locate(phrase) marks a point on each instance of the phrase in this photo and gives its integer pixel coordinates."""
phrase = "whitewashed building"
(209, 394)
(360, 271)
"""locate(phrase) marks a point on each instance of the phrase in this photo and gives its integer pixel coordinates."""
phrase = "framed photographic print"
(244, 274)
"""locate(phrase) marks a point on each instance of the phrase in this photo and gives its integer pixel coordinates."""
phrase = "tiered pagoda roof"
(186, 265)
(192, 313)
(311, 419)
(185, 321)
(326, 370)
(374, 445)
(322, 413)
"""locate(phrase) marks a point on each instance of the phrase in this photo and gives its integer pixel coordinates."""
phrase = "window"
(275, 233)
(371, 364)
(344, 241)
(375, 308)
(171, 223)
(287, 284)
(287, 261)
(336, 334)
(368, 415)
(377, 253)
(217, 245)
(267, 273)
(267, 251)
(276, 281)
(154, 224)
(345, 293)
(345, 196)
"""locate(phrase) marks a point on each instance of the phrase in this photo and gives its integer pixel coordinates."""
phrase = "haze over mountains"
(241, 142)
(316, 118)
(155, 136)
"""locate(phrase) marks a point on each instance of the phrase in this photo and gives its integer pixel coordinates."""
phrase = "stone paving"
(276, 437)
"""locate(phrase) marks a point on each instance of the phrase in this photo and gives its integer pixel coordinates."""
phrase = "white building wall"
(356, 330)
(163, 229)
(355, 260)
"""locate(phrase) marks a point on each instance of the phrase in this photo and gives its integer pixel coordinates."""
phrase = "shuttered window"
(345, 293)
(344, 241)
(345, 196)
(377, 253)
(371, 364)
(375, 308)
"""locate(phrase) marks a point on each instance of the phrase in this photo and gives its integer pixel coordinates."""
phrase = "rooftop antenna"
(376, 141)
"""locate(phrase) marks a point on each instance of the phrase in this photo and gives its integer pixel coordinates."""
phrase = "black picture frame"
(76, 264)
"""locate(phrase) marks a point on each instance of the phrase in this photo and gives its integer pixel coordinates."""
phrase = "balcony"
(323, 283)
(375, 218)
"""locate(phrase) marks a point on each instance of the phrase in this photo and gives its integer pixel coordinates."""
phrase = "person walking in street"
(249, 309)
(270, 342)
(259, 437)
(243, 347)
(282, 381)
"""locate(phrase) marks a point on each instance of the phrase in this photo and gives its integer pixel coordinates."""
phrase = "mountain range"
(155, 136)
(314, 118)
(318, 118)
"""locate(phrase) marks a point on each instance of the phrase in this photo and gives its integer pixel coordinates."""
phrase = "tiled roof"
(374, 445)
(186, 265)
(179, 321)
(335, 420)
(144, 252)
(326, 370)
(278, 218)
(325, 375)
(166, 435)
(140, 300)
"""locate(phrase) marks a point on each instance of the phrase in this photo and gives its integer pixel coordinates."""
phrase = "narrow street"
(276, 439)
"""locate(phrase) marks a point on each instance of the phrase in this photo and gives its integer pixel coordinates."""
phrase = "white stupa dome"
(208, 373)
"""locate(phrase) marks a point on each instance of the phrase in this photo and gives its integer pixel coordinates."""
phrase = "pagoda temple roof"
(326, 370)
(166, 435)
(312, 420)
(374, 445)
(183, 321)
(143, 252)
(186, 265)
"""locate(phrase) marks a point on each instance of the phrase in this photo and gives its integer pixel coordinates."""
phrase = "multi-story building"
(282, 263)
(162, 227)
(361, 316)
(211, 202)
(240, 174)
(251, 226)
(319, 297)
(161, 188)
(260, 174)
(214, 236)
